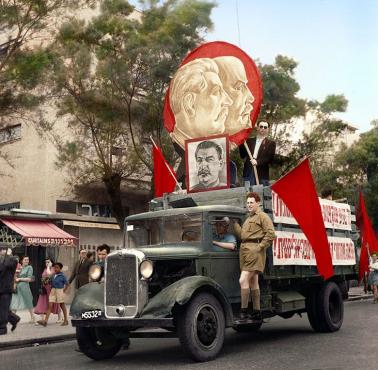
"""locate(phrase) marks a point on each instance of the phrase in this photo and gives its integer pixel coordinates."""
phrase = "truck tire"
(330, 307)
(201, 327)
(325, 309)
(97, 343)
(312, 310)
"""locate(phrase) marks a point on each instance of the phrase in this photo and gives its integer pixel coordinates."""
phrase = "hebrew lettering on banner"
(335, 215)
(292, 248)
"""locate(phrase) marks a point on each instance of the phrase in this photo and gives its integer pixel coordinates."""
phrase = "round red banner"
(216, 90)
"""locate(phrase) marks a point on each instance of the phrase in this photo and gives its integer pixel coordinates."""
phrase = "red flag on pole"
(369, 243)
(164, 176)
(297, 190)
(366, 229)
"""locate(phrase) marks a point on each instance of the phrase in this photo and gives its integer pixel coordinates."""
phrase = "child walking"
(59, 286)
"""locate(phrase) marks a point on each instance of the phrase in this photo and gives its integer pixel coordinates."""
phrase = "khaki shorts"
(56, 296)
(251, 257)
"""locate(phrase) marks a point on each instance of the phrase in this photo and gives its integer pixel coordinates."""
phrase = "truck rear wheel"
(97, 343)
(325, 309)
(201, 327)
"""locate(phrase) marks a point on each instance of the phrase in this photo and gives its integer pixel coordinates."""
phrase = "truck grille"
(121, 286)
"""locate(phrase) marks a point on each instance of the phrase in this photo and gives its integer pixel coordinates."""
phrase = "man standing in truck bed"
(256, 234)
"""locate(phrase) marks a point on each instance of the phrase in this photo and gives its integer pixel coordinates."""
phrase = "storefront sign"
(50, 241)
(335, 215)
(290, 248)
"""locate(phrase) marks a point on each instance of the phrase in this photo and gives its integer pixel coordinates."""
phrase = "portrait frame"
(192, 185)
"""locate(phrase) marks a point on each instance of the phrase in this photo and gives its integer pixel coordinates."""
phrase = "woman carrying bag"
(43, 299)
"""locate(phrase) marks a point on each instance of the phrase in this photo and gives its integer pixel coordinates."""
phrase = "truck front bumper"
(125, 323)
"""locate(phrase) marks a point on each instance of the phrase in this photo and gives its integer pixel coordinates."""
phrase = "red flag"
(297, 190)
(366, 229)
(164, 176)
(369, 243)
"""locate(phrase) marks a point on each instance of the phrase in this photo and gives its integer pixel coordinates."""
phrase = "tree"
(280, 103)
(354, 169)
(23, 59)
(111, 75)
(283, 109)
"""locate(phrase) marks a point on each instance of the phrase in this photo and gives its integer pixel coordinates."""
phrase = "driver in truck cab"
(221, 237)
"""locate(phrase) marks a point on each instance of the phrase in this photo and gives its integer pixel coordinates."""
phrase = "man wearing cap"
(256, 235)
(221, 237)
(263, 151)
(8, 265)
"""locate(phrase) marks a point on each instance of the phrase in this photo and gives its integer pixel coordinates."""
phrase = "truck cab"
(170, 275)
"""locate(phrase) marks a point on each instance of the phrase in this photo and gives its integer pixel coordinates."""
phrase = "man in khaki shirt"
(256, 235)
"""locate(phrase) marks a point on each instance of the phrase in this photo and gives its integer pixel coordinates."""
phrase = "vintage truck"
(170, 276)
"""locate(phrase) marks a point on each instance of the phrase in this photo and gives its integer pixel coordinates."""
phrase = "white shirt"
(259, 140)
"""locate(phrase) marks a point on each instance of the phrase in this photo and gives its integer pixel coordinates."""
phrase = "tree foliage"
(23, 59)
(356, 168)
(283, 109)
(111, 74)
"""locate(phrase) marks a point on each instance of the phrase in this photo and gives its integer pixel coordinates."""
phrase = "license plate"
(94, 314)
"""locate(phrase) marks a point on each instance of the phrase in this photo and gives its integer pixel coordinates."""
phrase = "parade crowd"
(16, 274)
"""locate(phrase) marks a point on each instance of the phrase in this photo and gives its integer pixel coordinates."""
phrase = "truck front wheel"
(325, 308)
(97, 343)
(201, 327)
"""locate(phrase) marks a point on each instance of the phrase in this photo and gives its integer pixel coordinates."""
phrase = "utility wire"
(237, 21)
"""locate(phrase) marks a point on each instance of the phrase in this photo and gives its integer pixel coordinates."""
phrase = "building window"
(83, 209)
(9, 206)
(10, 133)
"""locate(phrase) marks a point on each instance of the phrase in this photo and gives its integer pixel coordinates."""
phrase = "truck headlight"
(146, 269)
(95, 272)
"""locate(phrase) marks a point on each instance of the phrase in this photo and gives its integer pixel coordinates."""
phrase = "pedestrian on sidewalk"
(8, 265)
(22, 298)
(81, 270)
(102, 252)
(43, 299)
(373, 276)
(59, 286)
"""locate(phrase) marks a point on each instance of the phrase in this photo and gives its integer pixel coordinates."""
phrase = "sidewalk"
(356, 293)
(27, 334)
(31, 335)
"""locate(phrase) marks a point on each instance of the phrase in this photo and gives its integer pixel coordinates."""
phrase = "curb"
(359, 297)
(33, 342)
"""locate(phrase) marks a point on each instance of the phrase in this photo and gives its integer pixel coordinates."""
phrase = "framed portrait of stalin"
(207, 161)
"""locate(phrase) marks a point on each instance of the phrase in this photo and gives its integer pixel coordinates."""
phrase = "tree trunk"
(113, 187)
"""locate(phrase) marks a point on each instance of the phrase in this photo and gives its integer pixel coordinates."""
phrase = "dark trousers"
(5, 314)
(252, 180)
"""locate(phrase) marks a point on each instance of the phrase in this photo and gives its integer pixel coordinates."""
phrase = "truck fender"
(89, 297)
(180, 292)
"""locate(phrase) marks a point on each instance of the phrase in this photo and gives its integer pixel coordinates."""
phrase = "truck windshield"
(162, 230)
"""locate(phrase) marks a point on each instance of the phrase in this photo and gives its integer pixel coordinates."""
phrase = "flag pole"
(166, 165)
(250, 158)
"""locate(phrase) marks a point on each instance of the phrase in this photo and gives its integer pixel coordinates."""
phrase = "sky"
(335, 43)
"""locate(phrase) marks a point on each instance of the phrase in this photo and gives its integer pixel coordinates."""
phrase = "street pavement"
(27, 334)
(280, 344)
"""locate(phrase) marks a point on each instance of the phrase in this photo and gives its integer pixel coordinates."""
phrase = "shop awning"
(91, 225)
(36, 232)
